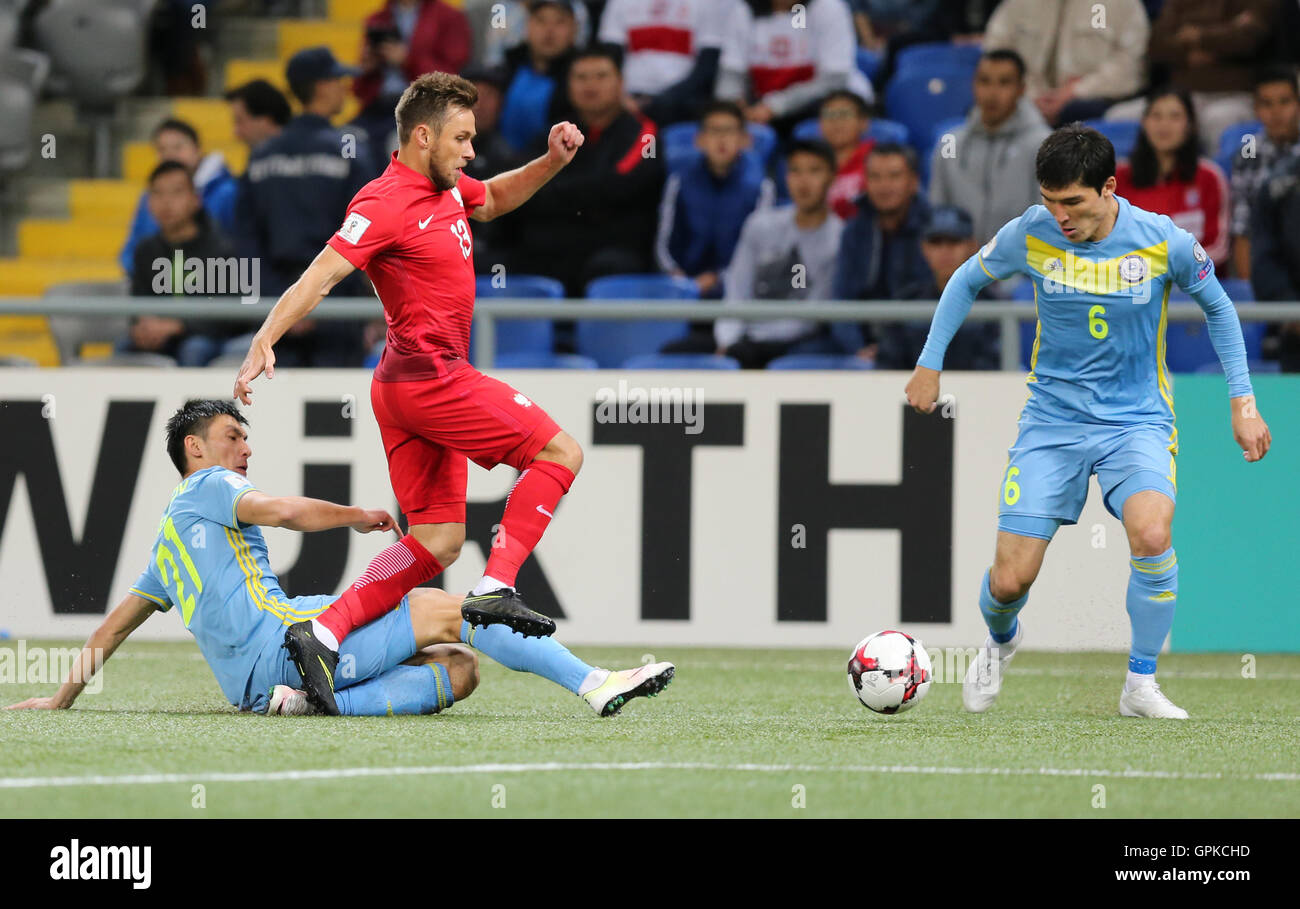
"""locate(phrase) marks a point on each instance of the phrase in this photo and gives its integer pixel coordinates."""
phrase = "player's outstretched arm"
(325, 271)
(508, 191)
(308, 515)
(125, 618)
(1249, 428)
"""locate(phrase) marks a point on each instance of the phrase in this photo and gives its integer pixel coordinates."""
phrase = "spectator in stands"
(947, 241)
(492, 154)
(785, 253)
(779, 63)
(258, 111)
(880, 253)
(1166, 174)
(844, 118)
(1212, 49)
(1277, 105)
(403, 40)
(987, 169)
(185, 232)
(704, 207)
(536, 97)
(1275, 248)
(176, 140)
(670, 52)
(1081, 56)
(597, 216)
(295, 194)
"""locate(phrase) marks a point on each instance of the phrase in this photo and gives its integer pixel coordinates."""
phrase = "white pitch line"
(333, 773)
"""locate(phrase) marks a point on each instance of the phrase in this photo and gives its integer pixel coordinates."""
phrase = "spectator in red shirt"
(1167, 175)
(844, 118)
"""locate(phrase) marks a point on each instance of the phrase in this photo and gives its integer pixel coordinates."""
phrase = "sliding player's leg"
(429, 682)
(1139, 480)
(436, 616)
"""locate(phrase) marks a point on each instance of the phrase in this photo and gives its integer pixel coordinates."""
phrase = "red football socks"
(391, 575)
(529, 508)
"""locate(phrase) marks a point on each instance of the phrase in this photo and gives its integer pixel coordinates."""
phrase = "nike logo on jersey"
(425, 222)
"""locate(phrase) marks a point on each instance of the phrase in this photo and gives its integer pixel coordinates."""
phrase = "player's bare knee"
(1009, 582)
(564, 450)
(462, 668)
(1150, 540)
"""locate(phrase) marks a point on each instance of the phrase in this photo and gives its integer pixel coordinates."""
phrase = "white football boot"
(286, 701)
(620, 686)
(983, 679)
(1147, 700)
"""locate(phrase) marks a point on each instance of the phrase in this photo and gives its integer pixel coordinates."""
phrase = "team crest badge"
(1133, 268)
(522, 401)
(988, 248)
(1199, 254)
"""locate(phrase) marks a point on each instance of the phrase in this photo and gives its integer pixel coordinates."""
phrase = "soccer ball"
(890, 672)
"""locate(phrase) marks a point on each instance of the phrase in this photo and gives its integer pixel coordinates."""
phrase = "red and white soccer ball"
(890, 672)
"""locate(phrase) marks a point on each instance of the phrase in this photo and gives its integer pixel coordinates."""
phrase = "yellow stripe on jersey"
(257, 591)
(1097, 276)
(148, 596)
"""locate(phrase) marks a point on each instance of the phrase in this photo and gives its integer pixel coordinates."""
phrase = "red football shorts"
(431, 426)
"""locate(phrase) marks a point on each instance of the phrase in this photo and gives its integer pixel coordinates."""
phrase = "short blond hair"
(430, 100)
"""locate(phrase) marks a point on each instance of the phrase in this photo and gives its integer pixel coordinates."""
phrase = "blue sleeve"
(219, 495)
(221, 203)
(1193, 271)
(1000, 258)
(151, 589)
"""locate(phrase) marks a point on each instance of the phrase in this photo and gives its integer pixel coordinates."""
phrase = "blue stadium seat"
(1238, 289)
(869, 63)
(680, 361)
(942, 128)
(677, 144)
(1230, 143)
(1188, 347)
(611, 343)
(930, 54)
(919, 99)
(1122, 134)
(544, 361)
(518, 335)
(880, 129)
(819, 361)
(1023, 292)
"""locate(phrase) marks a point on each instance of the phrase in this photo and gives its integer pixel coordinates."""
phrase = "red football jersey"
(414, 243)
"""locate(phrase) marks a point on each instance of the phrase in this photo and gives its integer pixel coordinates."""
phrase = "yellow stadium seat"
(343, 38)
(210, 116)
(354, 11)
(138, 159)
(30, 337)
(240, 71)
(49, 238)
(30, 276)
(108, 201)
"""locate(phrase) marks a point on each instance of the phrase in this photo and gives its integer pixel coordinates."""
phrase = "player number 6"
(1011, 491)
(1096, 324)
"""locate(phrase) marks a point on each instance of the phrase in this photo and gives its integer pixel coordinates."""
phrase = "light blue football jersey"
(216, 570)
(1099, 352)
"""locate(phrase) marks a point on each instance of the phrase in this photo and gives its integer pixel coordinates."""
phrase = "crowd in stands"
(761, 149)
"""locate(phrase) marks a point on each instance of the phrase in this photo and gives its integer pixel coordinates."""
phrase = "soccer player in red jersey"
(409, 231)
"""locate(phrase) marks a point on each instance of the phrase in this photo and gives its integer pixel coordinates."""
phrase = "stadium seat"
(73, 334)
(97, 49)
(919, 100)
(1023, 292)
(1238, 289)
(1122, 134)
(930, 54)
(680, 361)
(612, 342)
(677, 144)
(544, 361)
(880, 129)
(820, 361)
(1230, 143)
(519, 335)
(869, 63)
(942, 128)
(22, 73)
(1188, 347)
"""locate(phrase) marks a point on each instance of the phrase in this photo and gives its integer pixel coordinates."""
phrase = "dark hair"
(611, 52)
(1006, 55)
(817, 147)
(429, 100)
(1145, 167)
(725, 108)
(843, 94)
(1274, 74)
(1075, 154)
(906, 152)
(167, 167)
(262, 99)
(192, 420)
(171, 124)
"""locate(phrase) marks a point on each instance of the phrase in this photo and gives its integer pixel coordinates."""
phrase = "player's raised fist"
(923, 390)
(374, 519)
(564, 141)
(260, 359)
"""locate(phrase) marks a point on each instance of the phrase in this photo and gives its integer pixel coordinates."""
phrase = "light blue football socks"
(546, 657)
(999, 617)
(401, 690)
(1152, 598)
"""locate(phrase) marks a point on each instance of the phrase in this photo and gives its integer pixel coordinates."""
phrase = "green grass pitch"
(739, 733)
